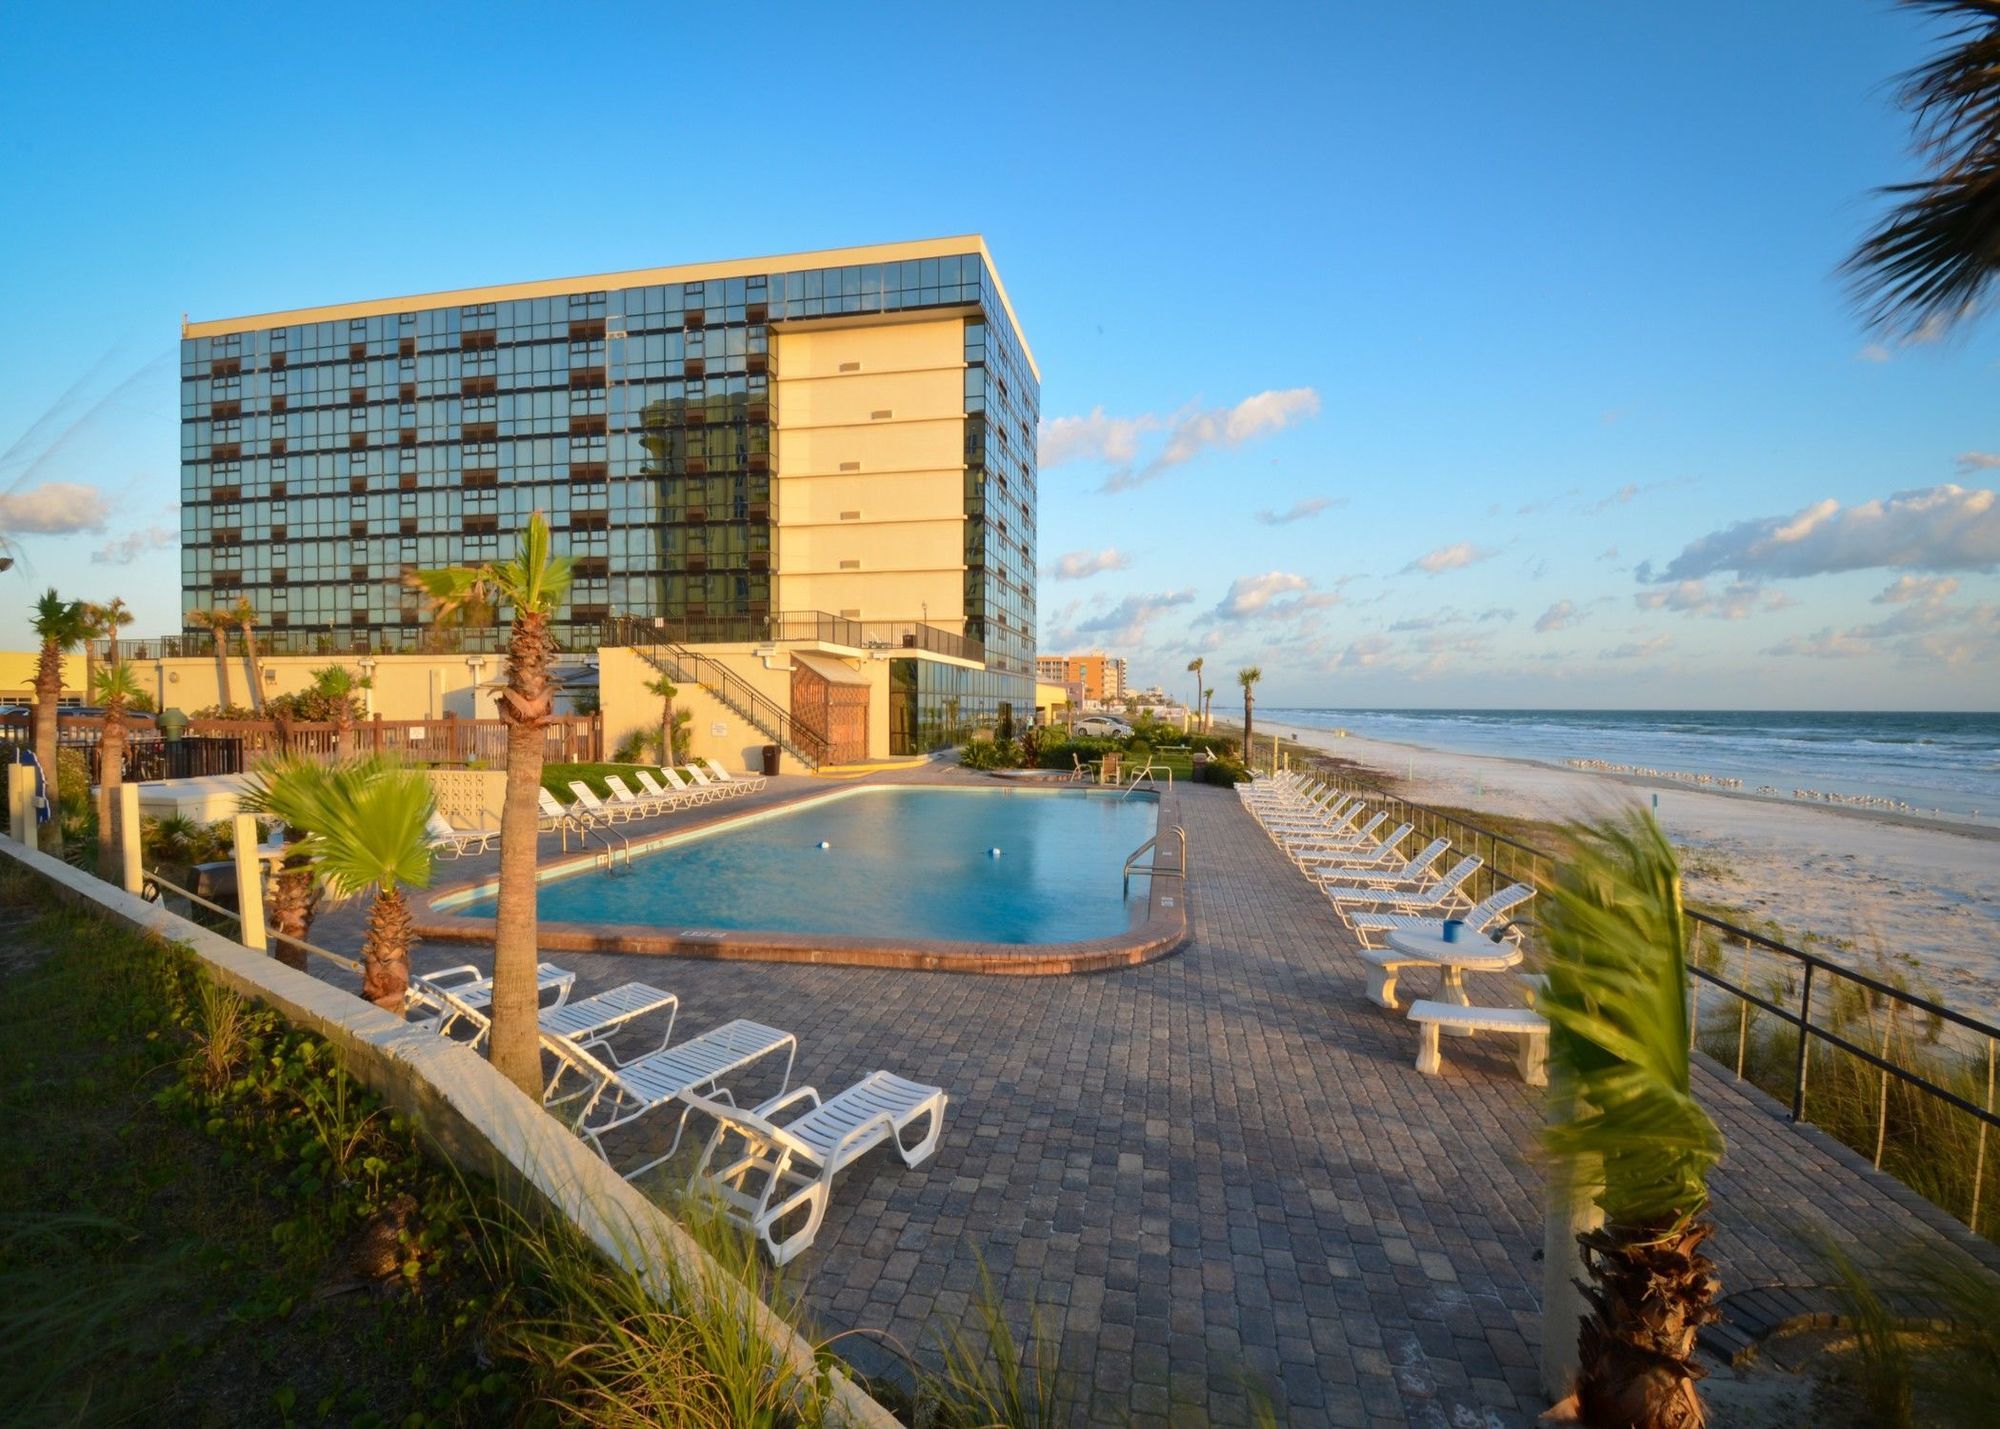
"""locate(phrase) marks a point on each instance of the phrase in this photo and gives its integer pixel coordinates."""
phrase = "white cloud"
(1096, 437)
(1969, 462)
(1873, 352)
(55, 508)
(1078, 565)
(1560, 616)
(1939, 528)
(1362, 653)
(1264, 597)
(1827, 644)
(127, 549)
(1738, 601)
(1917, 588)
(1190, 433)
(1128, 622)
(1639, 650)
(1450, 558)
(1298, 511)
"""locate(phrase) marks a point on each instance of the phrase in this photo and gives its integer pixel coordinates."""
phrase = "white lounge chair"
(448, 994)
(554, 814)
(596, 807)
(1442, 896)
(620, 1092)
(1485, 916)
(785, 1172)
(698, 793)
(1337, 824)
(1360, 838)
(669, 798)
(448, 842)
(1405, 875)
(726, 791)
(587, 1021)
(640, 806)
(1314, 859)
(750, 782)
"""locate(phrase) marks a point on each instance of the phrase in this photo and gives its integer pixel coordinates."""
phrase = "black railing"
(692, 668)
(791, 626)
(1947, 1060)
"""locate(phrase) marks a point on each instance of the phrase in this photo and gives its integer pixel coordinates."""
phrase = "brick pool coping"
(1159, 933)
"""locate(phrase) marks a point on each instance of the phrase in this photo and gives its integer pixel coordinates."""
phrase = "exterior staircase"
(687, 667)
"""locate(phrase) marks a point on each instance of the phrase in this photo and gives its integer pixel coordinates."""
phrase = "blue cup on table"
(1453, 928)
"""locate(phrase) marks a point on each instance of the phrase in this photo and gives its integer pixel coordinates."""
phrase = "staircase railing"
(680, 663)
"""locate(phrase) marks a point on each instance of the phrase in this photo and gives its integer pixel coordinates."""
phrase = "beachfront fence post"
(128, 838)
(1743, 1013)
(1805, 1031)
(250, 884)
(1882, 1094)
(21, 803)
(1979, 1161)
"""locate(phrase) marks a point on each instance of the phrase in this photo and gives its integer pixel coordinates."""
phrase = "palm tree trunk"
(222, 664)
(1652, 1290)
(343, 730)
(110, 775)
(1247, 702)
(667, 732)
(385, 952)
(256, 670)
(290, 900)
(516, 1048)
(48, 685)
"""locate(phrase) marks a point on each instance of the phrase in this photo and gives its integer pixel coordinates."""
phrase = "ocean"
(1948, 764)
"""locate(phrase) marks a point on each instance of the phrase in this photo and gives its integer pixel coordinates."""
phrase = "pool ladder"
(607, 856)
(1156, 869)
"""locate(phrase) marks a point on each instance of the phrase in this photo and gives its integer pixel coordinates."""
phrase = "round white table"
(1473, 952)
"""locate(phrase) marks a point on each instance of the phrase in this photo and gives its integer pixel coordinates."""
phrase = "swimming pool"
(900, 862)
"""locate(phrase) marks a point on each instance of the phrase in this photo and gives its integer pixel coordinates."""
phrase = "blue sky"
(1525, 315)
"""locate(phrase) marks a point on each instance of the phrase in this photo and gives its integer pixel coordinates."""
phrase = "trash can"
(770, 759)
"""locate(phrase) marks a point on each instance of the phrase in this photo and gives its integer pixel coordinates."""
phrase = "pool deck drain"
(1222, 1170)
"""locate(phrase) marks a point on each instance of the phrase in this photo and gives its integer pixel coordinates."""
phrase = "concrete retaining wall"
(481, 1121)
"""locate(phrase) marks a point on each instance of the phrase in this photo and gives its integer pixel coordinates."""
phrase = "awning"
(830, 669)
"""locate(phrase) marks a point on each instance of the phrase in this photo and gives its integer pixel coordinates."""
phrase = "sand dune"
(1921, 893)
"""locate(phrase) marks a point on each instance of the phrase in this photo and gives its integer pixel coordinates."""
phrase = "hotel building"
(1101, 676)
(832, 452)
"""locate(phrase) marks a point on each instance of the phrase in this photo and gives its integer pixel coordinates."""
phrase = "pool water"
(901, 862)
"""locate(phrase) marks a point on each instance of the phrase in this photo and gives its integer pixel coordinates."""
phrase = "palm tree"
(115, 689)
(336, 686)
(61, 625)
(367, 830)
(218, 623)
(288, 787)
(114, 615)
(1194, 668)
(664, 688)
(533, 585)
(1207, 701)
(1247, 677)
(1625, 1122)
(243, 615)
(1933, 258)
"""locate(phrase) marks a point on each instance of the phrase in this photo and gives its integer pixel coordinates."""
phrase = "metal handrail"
(236, 915)
(727, 686)
(1155, 869)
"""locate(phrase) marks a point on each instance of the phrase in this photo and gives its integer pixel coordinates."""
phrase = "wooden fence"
(448, 741)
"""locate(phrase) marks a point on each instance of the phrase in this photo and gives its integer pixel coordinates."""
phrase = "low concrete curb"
(482, 1121)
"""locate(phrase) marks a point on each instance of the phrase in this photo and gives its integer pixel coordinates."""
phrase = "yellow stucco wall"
(17, 676)
(870, 504)
(404, 686)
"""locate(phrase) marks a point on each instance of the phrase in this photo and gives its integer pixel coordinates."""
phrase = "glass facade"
(320, 461)
(934, 705)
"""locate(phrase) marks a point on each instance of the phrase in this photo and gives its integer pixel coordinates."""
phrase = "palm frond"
(1934, 258)
(64, 623)
(116, 685)
(364, 819)
(1615, 934)
(536, 579)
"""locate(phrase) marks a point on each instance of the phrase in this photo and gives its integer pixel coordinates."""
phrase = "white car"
(1103, 725)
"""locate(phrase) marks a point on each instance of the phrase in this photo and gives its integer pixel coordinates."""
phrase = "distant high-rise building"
(1102, 676)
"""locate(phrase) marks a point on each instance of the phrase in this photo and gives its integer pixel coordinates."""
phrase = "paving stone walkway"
(1221, 1174)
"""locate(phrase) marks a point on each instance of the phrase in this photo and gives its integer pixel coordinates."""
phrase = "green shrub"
(1225, 772)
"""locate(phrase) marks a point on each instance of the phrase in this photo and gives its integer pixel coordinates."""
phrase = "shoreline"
(1310, 735)
(1853, 884)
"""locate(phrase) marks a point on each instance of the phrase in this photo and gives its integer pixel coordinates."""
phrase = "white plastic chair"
(750, 783)
(448, 842)
(786, 1172)
(596, 807)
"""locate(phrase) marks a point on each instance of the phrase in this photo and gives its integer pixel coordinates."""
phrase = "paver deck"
(1222, 1173)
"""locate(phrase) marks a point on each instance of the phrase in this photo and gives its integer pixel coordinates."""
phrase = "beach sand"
(1920, 893)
